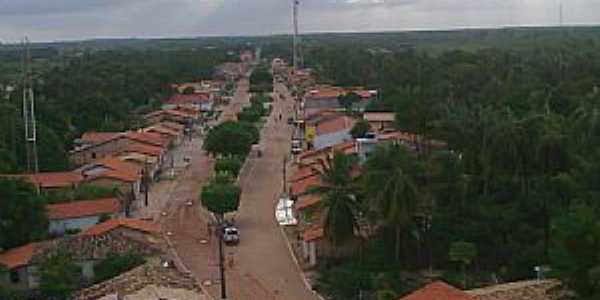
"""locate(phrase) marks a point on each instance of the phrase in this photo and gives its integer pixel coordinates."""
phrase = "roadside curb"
(297, 263)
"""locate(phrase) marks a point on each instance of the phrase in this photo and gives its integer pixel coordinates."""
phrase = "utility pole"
(146, 180)
(29, 112)
(221, 262)
(296, 36)
(284, 174)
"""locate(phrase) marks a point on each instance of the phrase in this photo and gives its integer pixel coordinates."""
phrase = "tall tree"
(231, 138)
(23, 213)
(390, 185)
(576, 244)
(338, 198)
(221, 195)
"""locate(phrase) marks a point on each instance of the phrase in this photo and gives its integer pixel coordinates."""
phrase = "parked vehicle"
(296, 147)
(231, 235)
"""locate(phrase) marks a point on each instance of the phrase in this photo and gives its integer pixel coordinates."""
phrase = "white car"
(231, 235)
(296, 147)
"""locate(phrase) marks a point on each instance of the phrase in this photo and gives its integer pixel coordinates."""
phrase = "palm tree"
(338, 198)
(389, 182)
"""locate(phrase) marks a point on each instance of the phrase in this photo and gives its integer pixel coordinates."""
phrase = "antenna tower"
(561, 16)
(29, 112)
(297, 55)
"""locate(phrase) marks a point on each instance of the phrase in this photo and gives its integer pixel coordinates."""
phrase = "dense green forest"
(98, 90)
(518, 184)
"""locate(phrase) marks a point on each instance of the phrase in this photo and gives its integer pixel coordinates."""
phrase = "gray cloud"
(44, 7)
(77, 19)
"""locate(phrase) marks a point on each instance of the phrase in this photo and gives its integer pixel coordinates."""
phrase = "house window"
(14, 277)
(93, 155)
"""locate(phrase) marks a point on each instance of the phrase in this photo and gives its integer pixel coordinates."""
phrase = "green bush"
(60, 277)
(360, 129)
(221, 196)
(115, 264)
(231, 164)
(249, 115)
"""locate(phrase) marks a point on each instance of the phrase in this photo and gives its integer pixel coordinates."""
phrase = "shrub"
(60, 277)
(231, 164)
(115, 264)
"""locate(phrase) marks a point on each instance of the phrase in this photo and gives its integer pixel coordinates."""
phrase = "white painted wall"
(60, 226)
(330, 139)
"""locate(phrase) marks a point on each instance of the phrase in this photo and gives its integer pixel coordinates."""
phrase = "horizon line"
(275, 34)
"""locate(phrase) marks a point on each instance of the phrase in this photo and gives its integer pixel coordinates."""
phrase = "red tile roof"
(172, 112)
(181, 99)
(172, 125)
(151, 138)
(313, 233)
(93, 137)
(304, 171)
(188, 109)
(18, 257)
(162, 130)
(112, 224)
(322, 113)
(56, 179)
(307, 201)
(345, 147)
(438, 291)
(79, 209)
(179, 113)
(118, 169)
(302, 186)
(332, 92)
(144, 149)
(334, 125)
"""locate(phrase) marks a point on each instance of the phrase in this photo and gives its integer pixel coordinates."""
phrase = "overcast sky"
(50, 20)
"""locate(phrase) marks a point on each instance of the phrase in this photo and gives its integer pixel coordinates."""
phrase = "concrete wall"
(28, 278)
(330, 139)
(381, 125)
(87, 155)
(321, 103)
(59, 227)
(124, 187)
(87, 270)
(332, 103)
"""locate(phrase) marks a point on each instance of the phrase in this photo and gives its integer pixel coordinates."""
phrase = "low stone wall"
(550, 289)
(151, 273)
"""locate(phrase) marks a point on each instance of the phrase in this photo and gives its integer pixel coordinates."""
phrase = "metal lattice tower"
(297, 54)
(29, 112)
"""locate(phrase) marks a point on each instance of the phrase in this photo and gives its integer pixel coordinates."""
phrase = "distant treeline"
(99, 91)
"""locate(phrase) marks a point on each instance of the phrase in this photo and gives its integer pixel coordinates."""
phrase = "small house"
(80, 215)
(380, 121)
